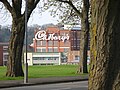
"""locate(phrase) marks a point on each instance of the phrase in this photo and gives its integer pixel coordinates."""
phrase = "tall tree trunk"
(83, 52)
(14, 67)
(84, 38)
(105, 45)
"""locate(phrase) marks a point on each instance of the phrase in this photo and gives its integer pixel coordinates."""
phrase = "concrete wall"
(36, 58)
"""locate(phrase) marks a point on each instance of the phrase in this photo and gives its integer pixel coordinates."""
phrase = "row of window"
(52, 43)
(52, 58)
(51, 50)
(45, 58)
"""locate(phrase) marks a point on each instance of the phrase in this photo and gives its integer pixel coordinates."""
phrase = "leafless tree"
(72, 11)
(14, 67)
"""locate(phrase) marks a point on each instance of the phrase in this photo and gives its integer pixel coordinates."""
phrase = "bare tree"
(74, 11)
(64, 11)
(14, 67)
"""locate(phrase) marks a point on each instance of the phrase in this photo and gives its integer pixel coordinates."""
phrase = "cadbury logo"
(41, 35)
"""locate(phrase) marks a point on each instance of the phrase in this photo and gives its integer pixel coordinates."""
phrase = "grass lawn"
(44, 71)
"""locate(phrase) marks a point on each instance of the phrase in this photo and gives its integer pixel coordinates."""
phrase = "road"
(82, 85)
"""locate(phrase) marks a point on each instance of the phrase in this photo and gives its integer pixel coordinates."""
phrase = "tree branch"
(71, 4)
(64, 1)
(17, 5)
(31, 5)
(7, 5)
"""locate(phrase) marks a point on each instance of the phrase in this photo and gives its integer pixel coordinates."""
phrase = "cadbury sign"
(41, 35)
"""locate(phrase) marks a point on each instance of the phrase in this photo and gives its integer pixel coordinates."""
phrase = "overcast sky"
(36, 18)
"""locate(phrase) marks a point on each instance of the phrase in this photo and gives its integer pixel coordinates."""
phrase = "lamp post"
(26, 64)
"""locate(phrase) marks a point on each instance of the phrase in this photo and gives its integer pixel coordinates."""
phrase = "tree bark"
(105, 45)
(14, 67)
(83, 51)
(84, 38)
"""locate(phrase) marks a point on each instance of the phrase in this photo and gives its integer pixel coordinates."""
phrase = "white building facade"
(38, 58)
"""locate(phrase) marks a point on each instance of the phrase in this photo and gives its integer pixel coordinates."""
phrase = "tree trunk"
(105, 45)
(14, 67)
(84, 38)
(83, 52)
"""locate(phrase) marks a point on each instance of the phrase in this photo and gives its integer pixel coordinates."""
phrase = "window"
(38, 43)
(45, 58)
(50, 43)
(5, 57)
(50, 49)
(38, 50)
(55, 49)
(56, 58)
(38, 58)
(43, 43)
(56, 43)
(77, 57)
(5, 48)
(43, 50)
(66, 49)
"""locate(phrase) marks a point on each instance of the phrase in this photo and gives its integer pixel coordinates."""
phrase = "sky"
(45, 18)
(36, 18)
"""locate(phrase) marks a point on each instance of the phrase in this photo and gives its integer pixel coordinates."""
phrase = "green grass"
(44, 71)
(3, 72)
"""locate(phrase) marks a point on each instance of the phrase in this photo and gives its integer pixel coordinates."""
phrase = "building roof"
(72, 27)
(76, 28)
(4, 43)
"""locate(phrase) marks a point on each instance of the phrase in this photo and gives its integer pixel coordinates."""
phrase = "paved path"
(38, 81)
(82, 85)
